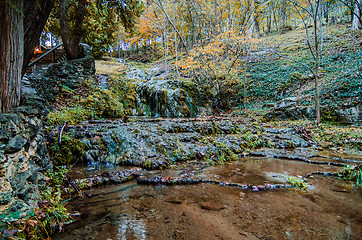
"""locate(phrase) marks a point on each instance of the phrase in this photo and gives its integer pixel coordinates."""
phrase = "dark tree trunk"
(21, 25)
(11, 52)
(71, 39)
(35, 16)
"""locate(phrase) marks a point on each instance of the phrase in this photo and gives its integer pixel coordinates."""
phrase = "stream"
(329, 209)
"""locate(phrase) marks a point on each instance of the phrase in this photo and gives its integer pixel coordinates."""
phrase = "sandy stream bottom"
(329, 209)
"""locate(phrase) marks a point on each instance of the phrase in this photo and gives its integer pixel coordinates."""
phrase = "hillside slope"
(272, 78)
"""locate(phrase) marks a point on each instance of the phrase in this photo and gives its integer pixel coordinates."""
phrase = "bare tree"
(357, 21)
(314, 13)
(356, 9)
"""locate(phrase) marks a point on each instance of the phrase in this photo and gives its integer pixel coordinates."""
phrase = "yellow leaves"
(223, 57)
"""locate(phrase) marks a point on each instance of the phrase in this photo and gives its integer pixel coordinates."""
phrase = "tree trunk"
(21, 25)
(244, 90)
(356, 15)
(35, 17)
(11, 52)
(317, 56)
(71, 39)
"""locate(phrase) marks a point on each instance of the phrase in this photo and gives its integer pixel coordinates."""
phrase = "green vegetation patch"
(67, 150)
(45, 217)
(297, 182)
(272, 78)
(352, 173)
(89, 102)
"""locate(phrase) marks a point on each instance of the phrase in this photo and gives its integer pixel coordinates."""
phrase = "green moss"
(67, 151)
(93, 102)
(252, 140)
(180, 153)
(71, 115)
(224, 154)
(148, 164)
(298, 182)
(125, 90)
(103, 103)
(193, 90)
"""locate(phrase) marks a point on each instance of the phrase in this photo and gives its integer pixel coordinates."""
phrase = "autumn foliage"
(219, 66)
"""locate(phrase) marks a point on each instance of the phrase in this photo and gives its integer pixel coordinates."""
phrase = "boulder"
(15, 144)
(287, 109)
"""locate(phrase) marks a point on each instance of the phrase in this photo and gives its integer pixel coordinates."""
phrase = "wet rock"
(174, 201)
(5, 197)
(289, 110)
(287, 102)
(164, 98)
(352, 115)
(157, 143)
(4, 135)
(212, 206)
(136, 74)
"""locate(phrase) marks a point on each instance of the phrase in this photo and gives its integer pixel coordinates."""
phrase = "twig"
(61, 132)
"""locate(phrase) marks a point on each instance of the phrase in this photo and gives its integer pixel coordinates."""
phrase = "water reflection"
(130, 226)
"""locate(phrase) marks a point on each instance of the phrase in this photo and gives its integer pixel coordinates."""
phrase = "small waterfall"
(164, 98)
(159, 95)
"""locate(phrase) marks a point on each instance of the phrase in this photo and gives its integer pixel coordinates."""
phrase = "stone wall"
(51, 81)
(23, 154)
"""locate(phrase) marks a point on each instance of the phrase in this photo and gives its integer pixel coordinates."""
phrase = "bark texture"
(36, 14)
(11, 52)
(356, 15)
(21, 25)
(71, 38)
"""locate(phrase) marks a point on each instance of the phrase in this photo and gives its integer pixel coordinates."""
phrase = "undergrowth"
(271, 78)
(67, 151)
(93, 102)
(44, 217)
(89, 102)
(352, 173)
(325, 135)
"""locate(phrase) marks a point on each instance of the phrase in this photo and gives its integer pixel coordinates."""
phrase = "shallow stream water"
(329, 209)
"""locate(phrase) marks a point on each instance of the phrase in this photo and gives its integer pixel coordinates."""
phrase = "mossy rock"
(67, 151)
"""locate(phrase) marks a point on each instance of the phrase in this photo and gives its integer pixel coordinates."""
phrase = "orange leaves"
(223, 57)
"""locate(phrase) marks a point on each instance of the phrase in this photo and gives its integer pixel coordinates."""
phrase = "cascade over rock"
(159, 95)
